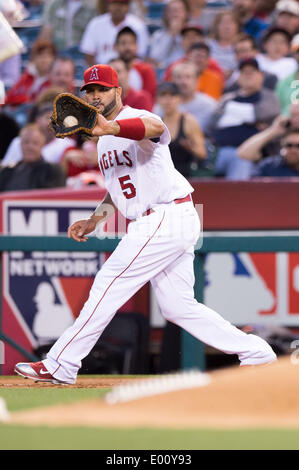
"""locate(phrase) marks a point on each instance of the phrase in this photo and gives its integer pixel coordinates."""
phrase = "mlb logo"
(46, 291)
(260, 288)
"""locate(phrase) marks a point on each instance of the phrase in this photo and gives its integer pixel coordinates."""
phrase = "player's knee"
(188, 310)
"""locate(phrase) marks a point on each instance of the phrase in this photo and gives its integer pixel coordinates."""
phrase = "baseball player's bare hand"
(79, 229)
(104, 127)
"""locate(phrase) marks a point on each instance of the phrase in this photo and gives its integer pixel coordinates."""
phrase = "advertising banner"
(44, 291)
(254, 288)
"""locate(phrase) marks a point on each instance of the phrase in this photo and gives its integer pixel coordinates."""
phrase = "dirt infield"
(235, 398)
(82, 382)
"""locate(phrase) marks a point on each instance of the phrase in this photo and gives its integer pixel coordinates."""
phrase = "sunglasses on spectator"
(290, 145)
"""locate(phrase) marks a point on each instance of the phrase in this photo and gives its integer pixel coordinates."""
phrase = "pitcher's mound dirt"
(265, 396)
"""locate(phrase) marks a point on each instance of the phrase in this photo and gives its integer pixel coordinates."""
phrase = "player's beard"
(109, 108)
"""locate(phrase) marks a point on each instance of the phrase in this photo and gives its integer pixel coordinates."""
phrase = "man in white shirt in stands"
(99, 37)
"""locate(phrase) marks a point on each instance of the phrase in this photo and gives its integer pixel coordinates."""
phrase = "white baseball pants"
(157, 248)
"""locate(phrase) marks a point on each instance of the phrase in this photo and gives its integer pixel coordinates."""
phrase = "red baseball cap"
(100, 75)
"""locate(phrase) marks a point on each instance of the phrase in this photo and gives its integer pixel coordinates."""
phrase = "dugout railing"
(193, 351)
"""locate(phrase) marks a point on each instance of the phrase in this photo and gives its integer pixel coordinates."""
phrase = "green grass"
(20, 399)
(69, 438)
(66, 438)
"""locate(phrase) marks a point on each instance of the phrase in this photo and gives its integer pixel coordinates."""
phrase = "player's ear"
(119, 90)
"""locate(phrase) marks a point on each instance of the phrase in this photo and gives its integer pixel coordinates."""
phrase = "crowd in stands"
(223, 75)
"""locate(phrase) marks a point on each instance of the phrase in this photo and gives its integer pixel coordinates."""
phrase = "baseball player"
(144, 186)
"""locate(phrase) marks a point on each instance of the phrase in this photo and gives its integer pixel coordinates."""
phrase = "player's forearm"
(153, 127)
(252, 147)
(103, 211)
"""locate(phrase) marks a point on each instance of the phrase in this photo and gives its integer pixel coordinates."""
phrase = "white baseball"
(70, 121)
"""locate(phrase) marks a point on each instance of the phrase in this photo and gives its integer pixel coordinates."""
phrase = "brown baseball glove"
(72, 115)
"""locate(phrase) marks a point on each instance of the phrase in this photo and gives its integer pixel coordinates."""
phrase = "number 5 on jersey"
(127, 187)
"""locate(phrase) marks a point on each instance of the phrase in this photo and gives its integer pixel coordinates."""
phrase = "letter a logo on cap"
(94, 74)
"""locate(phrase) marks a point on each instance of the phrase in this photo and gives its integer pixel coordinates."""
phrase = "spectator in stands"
(142, 75)
(246, 47)
(45, 98)
(32, 172)
(187, 140)
(268, 142)
(191, 35)
(29, 111)
(224, 32)
(240, 115)
(166, 42)
(36, 76)
(139, 99)
(64, 22)
(200, 15)
(200, 105)
(275, 59)
(79, 158)
(285, 164)
(61, 77)
(250, 23)
(287, 88)
(53, 149)
(287, 16)
(62, 74)
(208, 81)
(264, 9)
(99, 37)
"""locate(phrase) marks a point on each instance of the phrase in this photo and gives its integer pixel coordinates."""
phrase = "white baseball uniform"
(158, 247)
